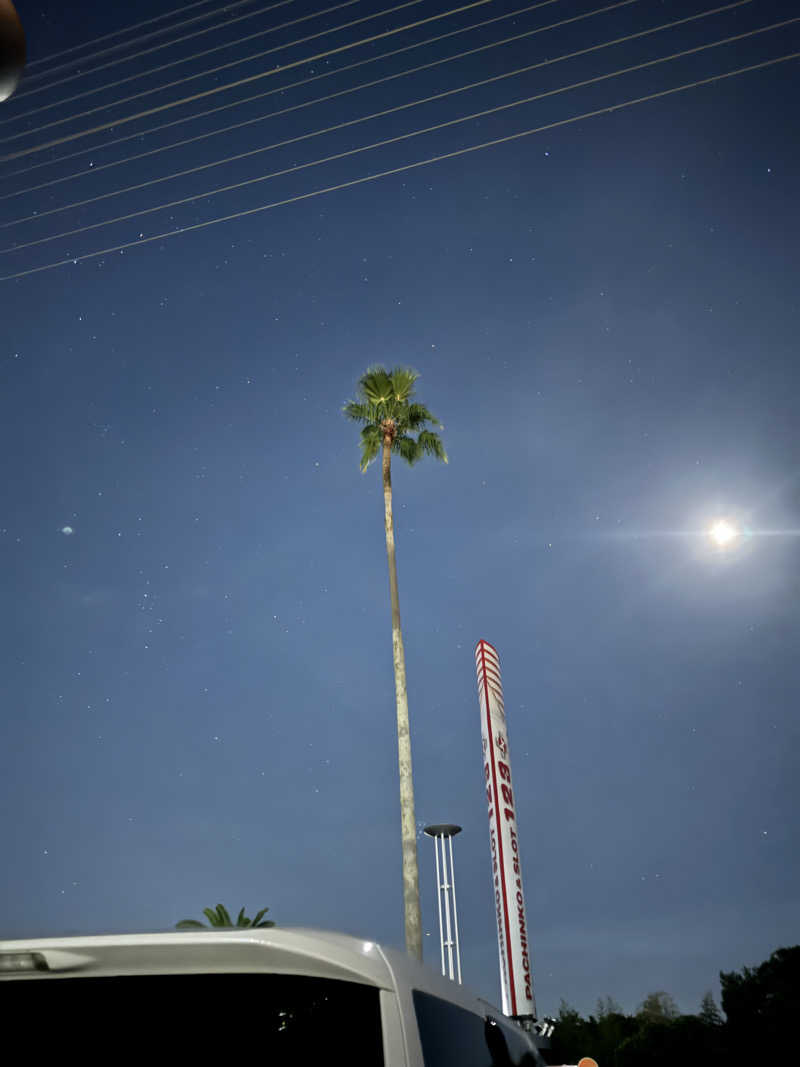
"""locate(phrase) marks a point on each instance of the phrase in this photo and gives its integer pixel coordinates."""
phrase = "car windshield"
(283, 1019)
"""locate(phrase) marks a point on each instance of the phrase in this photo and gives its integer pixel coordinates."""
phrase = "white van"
(278, 996)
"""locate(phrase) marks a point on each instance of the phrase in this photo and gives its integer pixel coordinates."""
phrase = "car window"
(450, 1036)
(194, 1018)
(454, 1037)
(509, 1045)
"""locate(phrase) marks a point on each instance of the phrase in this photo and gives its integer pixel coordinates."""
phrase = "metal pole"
(455, 913)
(439, 899)
(445, 885)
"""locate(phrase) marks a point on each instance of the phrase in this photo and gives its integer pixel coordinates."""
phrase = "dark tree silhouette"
(761, 1005)
(709, 1012)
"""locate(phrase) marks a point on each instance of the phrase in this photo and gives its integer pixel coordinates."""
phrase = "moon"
(67, 530)
(723, 533)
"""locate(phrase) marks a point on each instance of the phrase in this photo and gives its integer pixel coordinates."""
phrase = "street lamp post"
(443, 834)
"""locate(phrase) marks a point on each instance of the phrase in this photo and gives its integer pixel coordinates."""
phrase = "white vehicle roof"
(277, 950)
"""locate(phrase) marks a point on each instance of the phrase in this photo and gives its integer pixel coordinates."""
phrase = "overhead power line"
(394, 140)
(159, 48)
(231, 85)
(203, 73)
(380, 114)
(335, 95)
(401, 169)
(135, 40)
(128, 29)
(283, 88)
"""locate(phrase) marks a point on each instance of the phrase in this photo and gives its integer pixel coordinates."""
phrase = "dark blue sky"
(199, 701)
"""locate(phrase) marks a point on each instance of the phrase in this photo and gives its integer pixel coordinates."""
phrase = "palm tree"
(219, 917)
(389, 417)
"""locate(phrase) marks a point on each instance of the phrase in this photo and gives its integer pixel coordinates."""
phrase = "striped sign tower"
(516, 974)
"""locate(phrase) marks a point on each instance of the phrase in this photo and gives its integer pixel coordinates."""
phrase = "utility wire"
(271, 92)
(373, 115)
(174, 62)
(135, 40)
(202, 73)
(128, 29)
(394, 140)
(399, 170)
(231, 85)
(158, 48)
(329, 96)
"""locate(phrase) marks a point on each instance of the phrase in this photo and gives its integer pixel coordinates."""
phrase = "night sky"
(198, 690)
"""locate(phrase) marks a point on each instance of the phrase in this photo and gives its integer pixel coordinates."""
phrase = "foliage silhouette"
(219, 918)
(760, 1004)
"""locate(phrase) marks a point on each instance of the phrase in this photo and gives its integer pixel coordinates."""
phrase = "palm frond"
(418, 415)
(374, 370)
(220, 917)
(407, 448)
(371, 439)
(358, 411)
(376, 386)
(403, 380)
(430, 444)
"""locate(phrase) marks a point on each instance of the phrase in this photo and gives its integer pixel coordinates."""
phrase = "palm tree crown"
(386, 408)
(219, 917)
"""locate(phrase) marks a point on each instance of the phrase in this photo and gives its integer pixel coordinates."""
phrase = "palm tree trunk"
(413, 917)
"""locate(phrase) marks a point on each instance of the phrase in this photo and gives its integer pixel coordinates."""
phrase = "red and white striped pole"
(516, 972)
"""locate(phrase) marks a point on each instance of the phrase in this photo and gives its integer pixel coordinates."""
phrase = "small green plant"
(219, 918)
